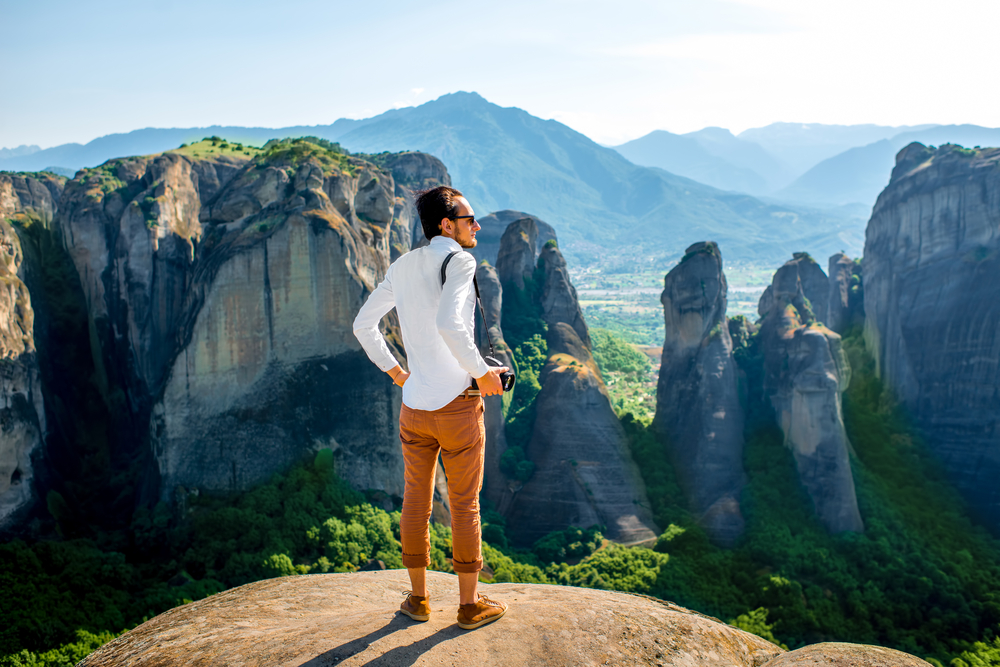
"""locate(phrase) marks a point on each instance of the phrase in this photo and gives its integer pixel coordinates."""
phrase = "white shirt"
(438, 324)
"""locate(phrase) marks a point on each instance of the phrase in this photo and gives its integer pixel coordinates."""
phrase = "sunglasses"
(470, 218)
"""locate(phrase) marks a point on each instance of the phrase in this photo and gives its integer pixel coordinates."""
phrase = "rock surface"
(932, 317)
(584, 471)
(697, 398)
(352, 619)
(222, 292)
(495, 224)
(805, 372)
(840, 271)
(840, 654)
(411, 171)
(23, 200)
(496, 487)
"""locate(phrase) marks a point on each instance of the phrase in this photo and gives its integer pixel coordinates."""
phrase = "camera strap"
(479, 301)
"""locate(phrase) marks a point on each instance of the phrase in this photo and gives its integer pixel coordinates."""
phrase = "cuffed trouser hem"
(467, 568)
(416, 561)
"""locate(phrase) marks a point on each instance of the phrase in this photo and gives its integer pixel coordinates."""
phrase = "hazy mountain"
(860, 174)
(803, 145)
(18, 152)
(153, 140)
(686, 156)
(595, 198)
(504, 158)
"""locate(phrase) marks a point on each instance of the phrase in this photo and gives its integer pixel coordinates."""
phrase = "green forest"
(922, 578)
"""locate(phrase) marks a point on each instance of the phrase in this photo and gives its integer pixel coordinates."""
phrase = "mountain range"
(505, 158)
(817, 165)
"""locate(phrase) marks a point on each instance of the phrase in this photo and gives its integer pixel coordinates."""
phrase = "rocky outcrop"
(222, 292)
(842, 654)
(353, 619)
(805, 372)
(932, 318)
(518, 253)
(411, 172)
(847, 306)
(698, 406)
(802, 279)
(23, 201)
(496, 488)
(494, 225)
(584, 471)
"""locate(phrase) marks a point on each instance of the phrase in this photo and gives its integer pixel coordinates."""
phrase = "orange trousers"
(455, 431)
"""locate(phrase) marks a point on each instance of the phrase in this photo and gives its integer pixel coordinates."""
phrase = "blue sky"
(73, 71)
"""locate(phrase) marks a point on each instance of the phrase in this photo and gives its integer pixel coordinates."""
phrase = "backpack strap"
(444, 276)
(479, 301)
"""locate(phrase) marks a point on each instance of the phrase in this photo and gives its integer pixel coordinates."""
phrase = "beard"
(468, 241)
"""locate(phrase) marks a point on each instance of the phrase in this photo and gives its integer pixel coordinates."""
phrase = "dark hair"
(435, 204)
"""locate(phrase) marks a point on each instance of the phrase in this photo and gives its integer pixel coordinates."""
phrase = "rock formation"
(411, 171)
(222, 292)
(496, 487)
(805, 372)
(932, 317)
(584, 472)
(24, 200)
(698, 408)
(846, 303)
(495, 224)
(352, 619)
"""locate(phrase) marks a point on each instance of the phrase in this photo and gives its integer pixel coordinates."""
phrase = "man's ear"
(447, 226)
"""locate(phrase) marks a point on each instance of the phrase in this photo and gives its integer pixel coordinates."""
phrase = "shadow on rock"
(400, 656)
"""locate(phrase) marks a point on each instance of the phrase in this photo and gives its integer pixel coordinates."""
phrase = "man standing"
(442, 407)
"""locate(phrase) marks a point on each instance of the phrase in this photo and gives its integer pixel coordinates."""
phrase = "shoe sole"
(485, 621)
(416, 617)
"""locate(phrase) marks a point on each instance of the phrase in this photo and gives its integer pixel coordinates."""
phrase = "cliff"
(932, 251)
(352, 619)
(221, 289)
(846, 301)
(584, 473)
(24, 201)
(496, 488)
(698, 408)
(805, 373)
(489, 238)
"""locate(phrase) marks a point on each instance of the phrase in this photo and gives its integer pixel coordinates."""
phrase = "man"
(442, 409)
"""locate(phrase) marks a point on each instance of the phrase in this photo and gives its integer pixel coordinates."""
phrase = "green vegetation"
(524, 333)
(921, 578)
(293, 152)
(216, 146)
(627, 372)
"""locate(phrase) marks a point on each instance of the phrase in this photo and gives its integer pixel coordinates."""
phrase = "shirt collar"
(448, 243)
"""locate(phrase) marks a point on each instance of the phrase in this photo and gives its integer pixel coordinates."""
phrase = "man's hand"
(398, 375)
(490, 384)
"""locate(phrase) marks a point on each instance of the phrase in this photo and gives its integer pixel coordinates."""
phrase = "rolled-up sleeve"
(457, 333)
(366, 323)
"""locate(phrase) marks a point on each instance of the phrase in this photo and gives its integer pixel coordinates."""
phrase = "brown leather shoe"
(481, 612)
(416, 607)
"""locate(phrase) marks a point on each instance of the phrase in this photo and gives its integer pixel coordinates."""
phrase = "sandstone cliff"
(222, 291)
(496, 487)
(411, 172)
(805, 372)
(932, 317)
(495, 225)
(584, 473)
(846, 305)
(698, 408)
(352, 619)
(24, 201)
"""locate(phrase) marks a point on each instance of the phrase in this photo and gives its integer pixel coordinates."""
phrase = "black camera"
(506, 378)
